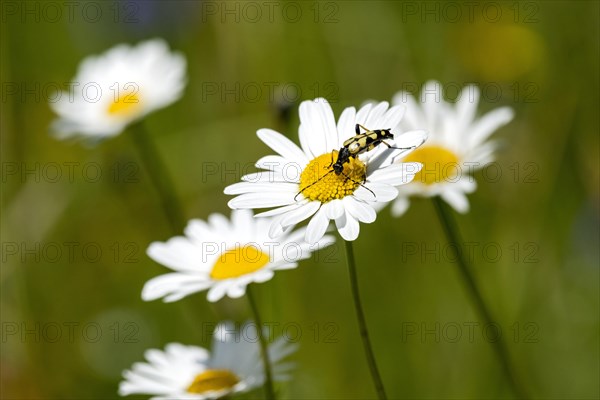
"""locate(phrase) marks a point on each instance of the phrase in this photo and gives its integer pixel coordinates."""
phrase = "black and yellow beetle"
(359, 144)
(356, 145)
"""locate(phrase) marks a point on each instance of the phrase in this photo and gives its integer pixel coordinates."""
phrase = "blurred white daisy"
(224, 256)
(120, 86)
(191, 372)
(457, 144)
(299, 181)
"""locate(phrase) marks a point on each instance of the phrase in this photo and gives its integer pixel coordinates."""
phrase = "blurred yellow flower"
(499, 51)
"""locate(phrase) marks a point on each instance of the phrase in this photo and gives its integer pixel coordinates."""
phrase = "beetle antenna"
(358, 183)
(297, 194)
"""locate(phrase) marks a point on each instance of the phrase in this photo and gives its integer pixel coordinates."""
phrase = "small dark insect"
(359, 144)
(351, 148)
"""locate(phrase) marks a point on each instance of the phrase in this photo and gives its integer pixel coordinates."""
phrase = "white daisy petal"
(305, 141)
(410, 140)
(359, 210)
(236, 291)
(286, 266)
(334, 209)
(263, 276)
(392, 117)
(457, 200)
(397, 174)
(317, 226)
(300, 214)
(348, 227)
(481, 155)
(241, 218)
(404, 143)
(315, 126)
(168, 283)
(197, 229)
(399, 206)
(413, 117)
(282, 145)
(363, 113)
(467, 184)
(327, 121)
(466, 108)
(346, 124)
(281, 349)
(272, 163)
(216, 292)
(184, 291)
(487, 124)
(219, 223)
(431, 98)
(276, 229)
(378, 192)
(280, 210)
(259, 200)
(265, 176)
(178, 254)
(375, 116)
(249, 187)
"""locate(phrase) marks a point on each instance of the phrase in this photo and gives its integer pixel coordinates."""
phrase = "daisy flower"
(457, 144)
(301, 183)
(224, 256)
(191, 372)
(118, 87)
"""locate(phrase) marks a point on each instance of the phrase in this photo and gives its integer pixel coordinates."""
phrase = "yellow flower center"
(439, 164)
(125, 105)
(213, 380)
(319, 181)
(239, 261)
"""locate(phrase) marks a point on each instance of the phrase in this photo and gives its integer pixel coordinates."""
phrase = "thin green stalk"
(159, 177)
(163, 184)
(362, 323)
(269, 392)
(453, 237)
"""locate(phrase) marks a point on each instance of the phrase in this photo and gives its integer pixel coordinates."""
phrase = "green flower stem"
(269, 392)
(362, 323)
(159, 177)
(453, 237)
(163, 184)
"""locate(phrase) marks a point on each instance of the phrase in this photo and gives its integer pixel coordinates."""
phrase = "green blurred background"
(541, 58)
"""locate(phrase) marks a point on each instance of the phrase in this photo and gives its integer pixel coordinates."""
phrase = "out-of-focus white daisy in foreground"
(301, 183)
(224, 256)
(120, 86)
(191, 372)
(457, 144)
